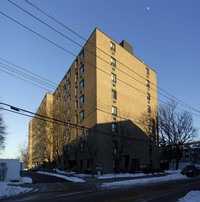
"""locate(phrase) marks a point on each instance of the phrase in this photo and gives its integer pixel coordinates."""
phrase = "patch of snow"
(72, 179)
(172, 171)
(143, 181)
(22, 180)
(64, 172)
(8, 191)
(126, 175)
(193, 196)
(84, 175)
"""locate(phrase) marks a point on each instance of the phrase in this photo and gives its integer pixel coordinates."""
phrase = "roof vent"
(127, 46)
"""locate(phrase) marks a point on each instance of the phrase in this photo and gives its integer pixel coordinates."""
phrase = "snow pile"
(22, 180)
(8, 191)
(193, 196)
(72, 179)
(144, 180)
(64, 172)
(126, 175)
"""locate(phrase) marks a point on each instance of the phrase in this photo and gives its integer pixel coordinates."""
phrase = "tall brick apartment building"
(94, 112)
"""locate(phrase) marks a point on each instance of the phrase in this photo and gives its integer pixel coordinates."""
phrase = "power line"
(57, 121)
(7, 67)
(183, 103)
(25, 80)
(83, 59)
(81, 46)
(28, 71)
(37, 34)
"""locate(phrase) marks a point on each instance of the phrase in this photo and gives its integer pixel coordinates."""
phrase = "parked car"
(190, 171)
(36, 168)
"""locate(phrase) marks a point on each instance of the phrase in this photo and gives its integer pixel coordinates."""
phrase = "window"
(148, 96)
(81, 115)
(114, 94)
(65, 79)
(76, 63)
(69, 136)
(68, 111)
(82, 55)
(76, 104)
(81, 84)
(81, 147)
(68, 124)
(69, 74)
(64, 115)
(147, 83)
(149, 135)
(115, 146)
(82, 100)
(149, 122)
(76, 133)
(112, 46)
(148, 109)
(65, 91)
(114, 127)
(82, 130)
(76, 90)
(114, 111)
(64, 102)
(81, 70)
(69, 86)
(89, 164)
(76, 119)
(147, 71)
(113, 62)
(68, 98)
(113, 77)
(76, 76)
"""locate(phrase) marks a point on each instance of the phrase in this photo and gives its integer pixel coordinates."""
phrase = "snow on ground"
(193, 196)
(7, 191)
(121, 175)
(72, 179)
(109, 176)
(144, 180)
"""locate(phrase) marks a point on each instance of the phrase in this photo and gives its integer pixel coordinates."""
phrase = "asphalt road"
(159, 192)
(79, 192)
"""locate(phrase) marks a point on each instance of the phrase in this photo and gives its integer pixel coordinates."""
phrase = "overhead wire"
(25, 80)
(53, 83)
(57, 121)
(7, 67)
(75, 56)
(183, 103)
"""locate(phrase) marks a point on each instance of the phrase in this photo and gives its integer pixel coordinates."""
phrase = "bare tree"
(149, 124)
(23, 153)
(2, 134)
(91, 147)
(175, 129)
(84, 146)
(122, 132)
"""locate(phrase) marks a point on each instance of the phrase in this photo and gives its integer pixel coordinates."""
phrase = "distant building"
(95, 112)
(191, 153)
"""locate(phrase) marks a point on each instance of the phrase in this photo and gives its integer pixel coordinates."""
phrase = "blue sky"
(164, 34)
